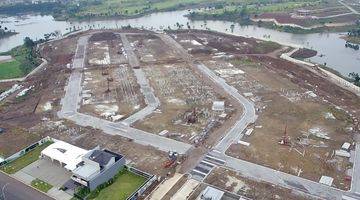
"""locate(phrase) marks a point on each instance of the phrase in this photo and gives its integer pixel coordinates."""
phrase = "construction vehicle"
(173, 156)
(104, 71)
(108, 79)
(285, 140)
(191, 117)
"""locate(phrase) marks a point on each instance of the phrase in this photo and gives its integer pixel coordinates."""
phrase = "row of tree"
(354, 32)
(353, 46)
(355, 78)
(4, 31)
(28, 55)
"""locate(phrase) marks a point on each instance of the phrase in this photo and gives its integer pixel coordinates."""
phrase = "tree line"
(354, 32)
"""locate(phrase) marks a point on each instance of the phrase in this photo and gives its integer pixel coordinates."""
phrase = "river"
(344, 60)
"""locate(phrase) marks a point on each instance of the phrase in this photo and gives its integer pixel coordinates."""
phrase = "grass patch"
(353, 39)
(118, 188)
(41, 185)
(10, 69)
(244, 62)
(25, 160)
(25, 60)
(266, 46)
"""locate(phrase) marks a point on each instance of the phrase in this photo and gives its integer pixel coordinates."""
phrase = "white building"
(218, 106)
(69, 156)
(211, 193)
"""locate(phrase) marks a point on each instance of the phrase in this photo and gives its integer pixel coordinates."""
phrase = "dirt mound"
(102, 36)
(304, 53)
(227, 43)
(206, 51)
(311, 81)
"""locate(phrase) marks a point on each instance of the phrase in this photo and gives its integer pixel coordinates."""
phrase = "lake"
(344, 60)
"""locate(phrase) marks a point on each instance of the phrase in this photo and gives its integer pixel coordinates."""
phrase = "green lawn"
(10, 69)
(131, 7)
(41, 185)
(24, 160)
(125, 184)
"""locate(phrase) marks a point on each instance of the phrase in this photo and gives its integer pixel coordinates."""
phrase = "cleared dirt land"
(315, 126)
(318, 115)
(186, 99)
(109, 86)
(233, 182)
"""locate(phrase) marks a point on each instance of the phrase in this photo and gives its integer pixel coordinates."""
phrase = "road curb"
(13, 177)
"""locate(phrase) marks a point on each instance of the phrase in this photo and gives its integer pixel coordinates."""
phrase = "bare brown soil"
(18, 115)
(274, 83)
(282, 103)
(220, 42)
(286, 18)
(254, 189)
(304, 53)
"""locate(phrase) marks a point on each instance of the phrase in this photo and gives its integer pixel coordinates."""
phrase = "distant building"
(303, 13)
(90, 168)
(218, 106)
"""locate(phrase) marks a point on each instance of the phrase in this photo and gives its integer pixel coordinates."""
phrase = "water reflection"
(343, 59)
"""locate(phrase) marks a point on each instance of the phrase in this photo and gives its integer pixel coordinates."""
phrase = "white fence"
(25, 150)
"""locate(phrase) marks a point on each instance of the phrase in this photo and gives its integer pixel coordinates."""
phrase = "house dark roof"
(101, 157)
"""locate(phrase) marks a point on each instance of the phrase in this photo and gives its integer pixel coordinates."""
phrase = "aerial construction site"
(195, 108)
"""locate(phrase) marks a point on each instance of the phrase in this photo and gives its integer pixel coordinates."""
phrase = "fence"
(25, 150)
(150, 179)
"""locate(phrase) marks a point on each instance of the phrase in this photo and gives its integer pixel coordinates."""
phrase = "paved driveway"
(47, 171)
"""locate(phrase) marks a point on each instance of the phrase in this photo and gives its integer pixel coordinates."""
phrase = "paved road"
(248, 116)
(15, 190)
(71, 102)
(266, 174)
(139, 136)
(253, 170)
(355, 184)
(150, 99)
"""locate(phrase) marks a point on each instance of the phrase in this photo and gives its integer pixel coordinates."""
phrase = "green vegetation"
(355, 78)
(353, 35)
(25, 60)
(118, 188)
(4, 32)
(298, 30)
(107, 8)
(13, 9)
(266, 46)
(25, 160)
(244, 62)
(84, 9)
(10, 69)
(240, 11)
(352, 39)
(41, 185)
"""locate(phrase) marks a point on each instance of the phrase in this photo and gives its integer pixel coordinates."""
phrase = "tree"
(243, 12)
(29, 42)
(355, 78)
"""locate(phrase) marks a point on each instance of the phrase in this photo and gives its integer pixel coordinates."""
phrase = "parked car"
(2, 130)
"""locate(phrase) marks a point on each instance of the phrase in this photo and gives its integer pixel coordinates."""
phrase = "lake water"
(338, 57)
